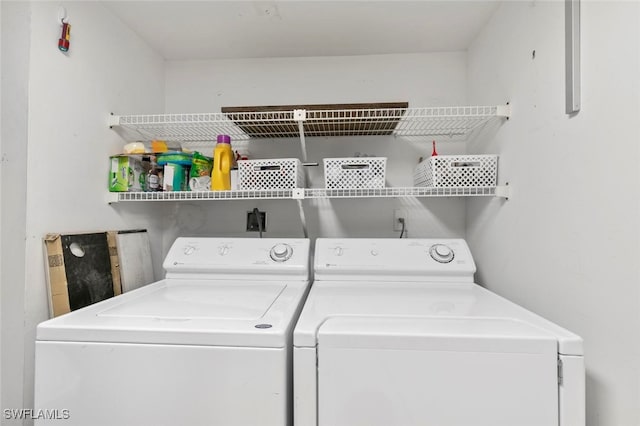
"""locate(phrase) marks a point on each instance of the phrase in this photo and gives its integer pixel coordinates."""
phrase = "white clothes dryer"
(208, 345)
(394, 332)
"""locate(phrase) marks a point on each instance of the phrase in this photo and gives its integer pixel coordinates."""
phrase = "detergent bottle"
(222, 162)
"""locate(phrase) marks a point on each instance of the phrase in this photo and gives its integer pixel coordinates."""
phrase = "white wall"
(566, 244)
(107, 69)
(420, 79)
(13, 159)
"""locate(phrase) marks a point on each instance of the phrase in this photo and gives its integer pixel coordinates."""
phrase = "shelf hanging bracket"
(503, 111)
(114, 120)
(112, 197)
(300, 115)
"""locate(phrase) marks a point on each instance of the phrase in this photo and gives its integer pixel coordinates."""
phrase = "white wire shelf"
(187, 128)
(309, 193)
(263, 194)
(448, 121)
(400, 192)
(176, 127)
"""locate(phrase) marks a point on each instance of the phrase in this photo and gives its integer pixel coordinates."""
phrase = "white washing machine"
(208, 345)
(394, 332)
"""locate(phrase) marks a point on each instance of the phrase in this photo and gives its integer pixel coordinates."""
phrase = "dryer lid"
(436, 334)
(198, 312)
(417, 301)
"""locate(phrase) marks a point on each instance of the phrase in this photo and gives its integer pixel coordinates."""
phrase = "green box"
(128, 173)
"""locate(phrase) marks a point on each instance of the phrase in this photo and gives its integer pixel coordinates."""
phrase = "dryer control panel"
(266, 258)
(384, 259)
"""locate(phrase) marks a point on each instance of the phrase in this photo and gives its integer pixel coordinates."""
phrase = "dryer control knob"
(281, 252)
(188, 250)
(441, 253)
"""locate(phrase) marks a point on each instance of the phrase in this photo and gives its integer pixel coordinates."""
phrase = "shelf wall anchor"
(503, 191)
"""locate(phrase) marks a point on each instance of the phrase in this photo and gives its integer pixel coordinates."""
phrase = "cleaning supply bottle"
(222, 162)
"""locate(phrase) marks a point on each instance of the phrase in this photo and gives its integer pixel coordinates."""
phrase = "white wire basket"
(355, 172)
(457, 171)
(281, 173)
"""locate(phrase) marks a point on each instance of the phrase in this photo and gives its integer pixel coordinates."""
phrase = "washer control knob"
(188, 250)
(281, 252)
(223, 250)
(338, 251)
(441, 253)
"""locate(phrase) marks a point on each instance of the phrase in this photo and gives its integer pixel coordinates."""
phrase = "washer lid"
(195, 300)
(198, 312)
(410, 300)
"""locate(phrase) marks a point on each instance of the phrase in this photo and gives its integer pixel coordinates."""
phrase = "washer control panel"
(238, 256)
(386, 258)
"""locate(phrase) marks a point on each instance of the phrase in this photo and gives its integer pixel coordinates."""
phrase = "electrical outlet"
(252, 222)
(397, 214)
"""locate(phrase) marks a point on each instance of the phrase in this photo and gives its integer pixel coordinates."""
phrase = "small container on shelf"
(175, 157)
(200, 172)
(355, 172)
(128, 173)
(457, 171)
(176, 166)
(154, 177)
(279, 173)
(176, 177)
(222, 163)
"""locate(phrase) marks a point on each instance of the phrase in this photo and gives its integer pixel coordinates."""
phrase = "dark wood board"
(323, 120)
(89, 276)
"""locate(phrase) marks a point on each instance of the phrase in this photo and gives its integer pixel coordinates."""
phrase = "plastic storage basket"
(356, 172)
(457, 171)
(282, 173)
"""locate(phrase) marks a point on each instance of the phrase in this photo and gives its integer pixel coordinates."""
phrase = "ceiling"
(181, 30)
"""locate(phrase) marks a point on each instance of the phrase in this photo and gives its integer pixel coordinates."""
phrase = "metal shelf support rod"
(300, 115)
